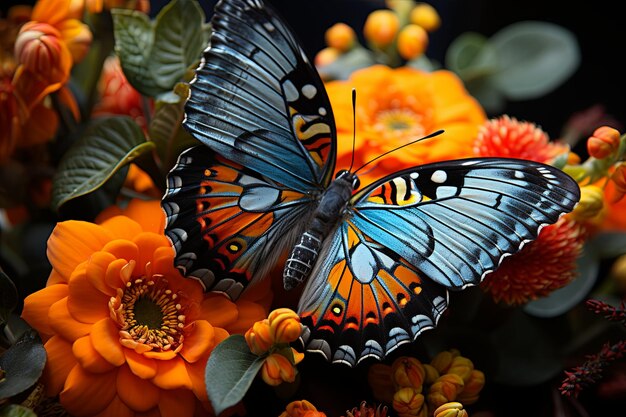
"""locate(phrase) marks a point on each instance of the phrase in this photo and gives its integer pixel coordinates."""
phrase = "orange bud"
(340, 36)
(412, 41)
(259, 338)
(445, 389)
(408, 401)
(431, 374)
(452, 409)
(381, 382)
(298, 409)
(312, 413)
(297, 356)
(41, 50)
(603, 142)
(425, 16)
(381, 27)
(277, 369)
(461, 366)
(619, 179)
(442, 361)
(473, 385)
(408, 372)
(285, 325)
(326, 56)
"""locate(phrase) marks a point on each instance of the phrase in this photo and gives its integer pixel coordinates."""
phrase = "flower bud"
(619, 179)
(259, 338)
(381, 382)
(277, 369)
(473, 385)
(603, 142)
(326, 56)
(452, 409)
(408, 401)
(381, 27)
(408, 372)
(41, 50)
(431, 374)
(462, 367)
(590, 204)
(442, 361)
(285, 325)
(445, 389)
(618, 273)
(426, 16)
(412, 41)
(340, 36)
(298, 409)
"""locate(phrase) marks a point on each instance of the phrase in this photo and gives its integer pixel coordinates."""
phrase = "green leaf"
(534, 58)
(346, 64)
(166, 129)
(107, 145)
(14, 410)
(8, 297)
(472, 57)
(230, 372)
(23, 364)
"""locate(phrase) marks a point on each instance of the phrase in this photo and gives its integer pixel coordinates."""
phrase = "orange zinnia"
(125, 333)
(396, 106)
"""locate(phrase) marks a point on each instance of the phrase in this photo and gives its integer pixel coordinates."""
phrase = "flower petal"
(116, 408)
(137, 393)
(140, 365)
(122, 227)
(199, 338)
(51, 11)
(161, 356)
(114, 277)
(87, 393)
(62, 322)
(96, 271)
(88, 357)
(249, 313)
(218, 310)
(72, 242)
(37, 306)
(148, 214)
(59, 364)
(177, 403)
(106, 341)
(172, 374)
(148, 243)
(122, 248)
(196, 374)
(85, 302)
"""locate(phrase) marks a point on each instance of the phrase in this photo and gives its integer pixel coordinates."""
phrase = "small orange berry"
(381, 27)
(426, 16)
(326, 56)
(603, 142)
(340, 36)
(412, 41)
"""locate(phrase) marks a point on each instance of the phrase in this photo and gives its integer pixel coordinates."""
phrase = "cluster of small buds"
(301, 408)
(413, 388)
(394, 34)
(270, 338)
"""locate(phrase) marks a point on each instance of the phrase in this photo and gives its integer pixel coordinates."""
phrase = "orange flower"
(542, 266)
(301, 409)
(507, 137)
(125, 333)
(396, 106)
(97, 6)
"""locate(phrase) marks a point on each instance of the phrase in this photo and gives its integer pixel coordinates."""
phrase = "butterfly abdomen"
(303, 257)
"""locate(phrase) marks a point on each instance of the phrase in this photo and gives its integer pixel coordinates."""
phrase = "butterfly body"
(378, 260)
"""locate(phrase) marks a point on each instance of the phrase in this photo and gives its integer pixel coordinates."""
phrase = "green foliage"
(14, 410)
(107, 146)
(22, 364)
(8, 298)
(230, 372)
(156, 55)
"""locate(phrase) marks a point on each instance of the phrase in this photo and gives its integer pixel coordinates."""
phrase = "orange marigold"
(507, 137)
(125, 333)
(396, 106)
(542, 266)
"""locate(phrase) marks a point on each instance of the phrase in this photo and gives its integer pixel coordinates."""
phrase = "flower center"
(399, 121)
(149, 316)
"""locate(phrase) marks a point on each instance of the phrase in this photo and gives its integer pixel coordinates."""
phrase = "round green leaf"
(230, 371)
(23, 364)
(8, 297)
(534, 58)
(346, 64)
(106, 146)
(471, 56)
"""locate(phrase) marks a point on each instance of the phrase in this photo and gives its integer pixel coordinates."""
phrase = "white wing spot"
(309, 91)
(414, 175)
(439, 176)
(291, 92)
(322, 111)
(268, 26)
(519, 174)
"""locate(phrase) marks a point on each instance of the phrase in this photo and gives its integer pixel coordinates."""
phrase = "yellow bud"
(408, 401)
(277, 369)
(285, 325)
(298, 409)
(340, 36)
(591, 202)
(431, 374)
(425, 16)
(259, 338)
(381, 27)
(473, 385)
(445, 389)
(381, 382)
(461, 366)
(407, 372)
(452, 409)
(442, 361)
(412, 41)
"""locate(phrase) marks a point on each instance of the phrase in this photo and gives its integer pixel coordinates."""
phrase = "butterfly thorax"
(328, 213)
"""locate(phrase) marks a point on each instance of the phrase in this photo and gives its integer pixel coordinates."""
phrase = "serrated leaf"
(230, 371)
(166, 129)
(178, 41)
(23, 364)
(106, 146)
(8, 297)
(534, 58)
(14, 410)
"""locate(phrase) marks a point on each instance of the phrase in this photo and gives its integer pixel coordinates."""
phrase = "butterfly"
(377, 261)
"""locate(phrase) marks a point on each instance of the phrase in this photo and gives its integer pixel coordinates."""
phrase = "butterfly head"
(349, 177)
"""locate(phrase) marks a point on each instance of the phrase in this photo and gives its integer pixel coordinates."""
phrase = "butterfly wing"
(440, 226)
(257, 100)
(227, 223)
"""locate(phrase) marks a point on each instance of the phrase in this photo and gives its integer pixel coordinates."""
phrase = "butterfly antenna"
(432, 135)
(353, 127)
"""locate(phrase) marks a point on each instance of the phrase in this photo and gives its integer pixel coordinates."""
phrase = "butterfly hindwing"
(257, 100)
(228, 224)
